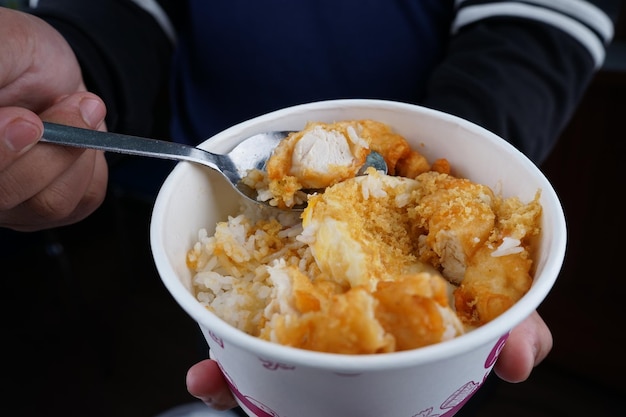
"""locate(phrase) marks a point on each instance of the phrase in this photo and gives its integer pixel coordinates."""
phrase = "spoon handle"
(126, 144)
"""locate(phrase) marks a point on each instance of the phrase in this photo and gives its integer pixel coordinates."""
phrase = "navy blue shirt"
(515, 67)
(237, 59)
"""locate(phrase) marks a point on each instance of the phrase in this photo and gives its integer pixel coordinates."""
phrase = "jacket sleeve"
(124, 49)
(519, 69)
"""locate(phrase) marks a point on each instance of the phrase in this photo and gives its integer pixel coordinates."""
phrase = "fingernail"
(92, 112)
(20, 134)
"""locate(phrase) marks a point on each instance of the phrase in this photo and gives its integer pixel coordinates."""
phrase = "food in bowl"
(323, 154)
(376, 263)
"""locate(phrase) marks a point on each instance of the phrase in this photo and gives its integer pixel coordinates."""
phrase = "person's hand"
(206, 382)
(43, 185)
(528, 345)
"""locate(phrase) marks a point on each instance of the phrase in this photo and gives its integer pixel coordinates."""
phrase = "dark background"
(88, 328)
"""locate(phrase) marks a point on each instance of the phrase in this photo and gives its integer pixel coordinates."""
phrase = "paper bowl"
(273, 380)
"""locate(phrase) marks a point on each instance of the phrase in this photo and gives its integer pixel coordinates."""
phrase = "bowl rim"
(486, 334)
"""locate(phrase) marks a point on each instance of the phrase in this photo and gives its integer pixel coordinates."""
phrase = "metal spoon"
(250, 154)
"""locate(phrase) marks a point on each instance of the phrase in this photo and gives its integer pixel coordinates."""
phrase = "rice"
(508, 246)
(231, 267)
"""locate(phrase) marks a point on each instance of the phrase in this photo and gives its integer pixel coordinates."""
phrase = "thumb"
(528, 345)
(206, 382)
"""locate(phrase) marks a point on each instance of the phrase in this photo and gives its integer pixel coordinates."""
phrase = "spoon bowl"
(252, 153)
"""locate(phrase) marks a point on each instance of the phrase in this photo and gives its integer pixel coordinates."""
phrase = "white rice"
(232, 267)
(508, 246)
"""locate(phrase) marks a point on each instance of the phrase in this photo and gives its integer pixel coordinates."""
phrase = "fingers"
(529, 343)
(75, 188)
(19, 131)
(206, 382)
(79, 109)
(45, 185)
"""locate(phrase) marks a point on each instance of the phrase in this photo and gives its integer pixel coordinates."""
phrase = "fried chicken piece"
(321, 315)
(506, 258)
(346, 324)
(415, 310)
(413, 164)
(491, 285)
(359, 232)
(457, 217)
(320, 155)
(442, 166)
(480, 240)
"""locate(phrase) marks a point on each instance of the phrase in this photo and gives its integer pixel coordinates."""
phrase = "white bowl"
(274, 380)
